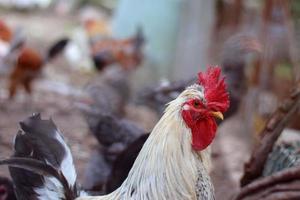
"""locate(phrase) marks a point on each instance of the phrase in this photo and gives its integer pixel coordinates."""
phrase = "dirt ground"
(230, 149)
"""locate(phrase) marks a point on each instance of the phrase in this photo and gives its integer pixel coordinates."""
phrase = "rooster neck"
(167, 166)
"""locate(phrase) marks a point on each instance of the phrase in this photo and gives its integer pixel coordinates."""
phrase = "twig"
(286, 187)
(264, 184)
(279, 120)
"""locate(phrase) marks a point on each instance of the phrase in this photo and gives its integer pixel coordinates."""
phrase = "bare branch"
(278, 121)
(264, 187)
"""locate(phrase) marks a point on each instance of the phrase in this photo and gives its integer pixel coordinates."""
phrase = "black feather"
(111, 130)
(38, 140)
(124, 163)
(102, 59)
(56, 48)
(38, 167)
(41, 135)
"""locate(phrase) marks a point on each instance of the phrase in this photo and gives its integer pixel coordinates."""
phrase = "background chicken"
(29, 65)
(123, 164)
(113, 135)
(127, 52)
(105, 114)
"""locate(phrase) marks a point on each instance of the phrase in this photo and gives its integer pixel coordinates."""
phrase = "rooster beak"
(217, 115)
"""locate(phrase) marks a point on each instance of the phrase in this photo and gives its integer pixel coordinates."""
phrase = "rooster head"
(203, 103)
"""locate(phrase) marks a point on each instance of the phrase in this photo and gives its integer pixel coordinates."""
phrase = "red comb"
(215, 91)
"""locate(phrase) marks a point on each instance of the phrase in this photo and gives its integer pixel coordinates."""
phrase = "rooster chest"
(204, 186)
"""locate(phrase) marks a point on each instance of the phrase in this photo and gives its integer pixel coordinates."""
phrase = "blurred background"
(104, 69)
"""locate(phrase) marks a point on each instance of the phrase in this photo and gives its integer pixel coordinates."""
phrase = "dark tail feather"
(42, 169)
(32, 165)
(56, 49)
(42, 160)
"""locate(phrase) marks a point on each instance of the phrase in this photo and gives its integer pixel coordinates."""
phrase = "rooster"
(174, 163)
(29, 65)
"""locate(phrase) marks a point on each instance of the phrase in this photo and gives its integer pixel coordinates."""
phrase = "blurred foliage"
(295, 6)
(284, 71)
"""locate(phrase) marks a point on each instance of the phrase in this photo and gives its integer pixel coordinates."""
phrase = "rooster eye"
(197, 103)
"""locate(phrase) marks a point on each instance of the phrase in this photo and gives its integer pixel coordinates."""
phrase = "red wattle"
(203, 134)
